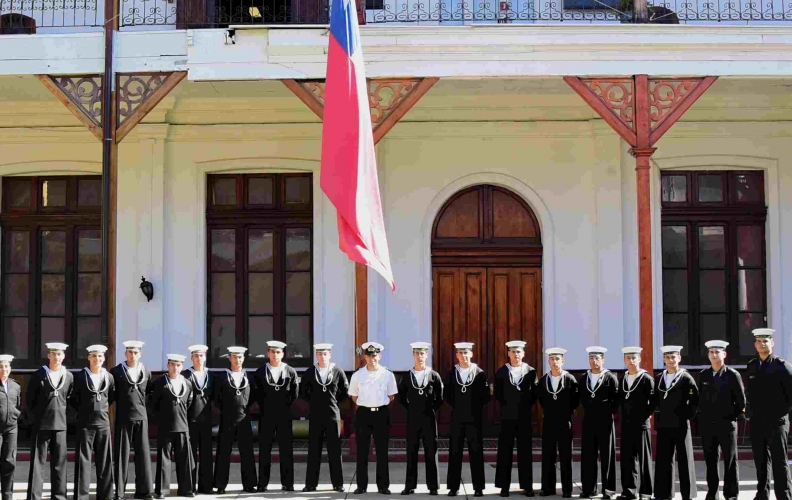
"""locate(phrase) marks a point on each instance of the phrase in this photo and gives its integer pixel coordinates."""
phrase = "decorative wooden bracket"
(389, 99)
(137, 95)
(641, 109)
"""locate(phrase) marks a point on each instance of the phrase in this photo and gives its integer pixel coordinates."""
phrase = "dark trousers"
(201, 447)
(670, 441)
(422, 428)
(556, 436)
(243, 434)
(598, 438)
(469, 432)
(636, 461)
(177, 443)
(723, 436)
(523, 431)
(268, 430)
(329, 431)
(769, 445)
(8, 453)
(376, 423)
(53, 442)
(129, 435)
(93, 442)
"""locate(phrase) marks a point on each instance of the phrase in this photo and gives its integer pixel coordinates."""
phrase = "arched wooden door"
(486, 279)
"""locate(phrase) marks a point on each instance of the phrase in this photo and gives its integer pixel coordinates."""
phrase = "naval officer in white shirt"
(372, 388)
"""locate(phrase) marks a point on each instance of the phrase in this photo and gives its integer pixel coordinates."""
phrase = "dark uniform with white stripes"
(10, 409)
(324, 393)
(171, 402)
(637, 405)
(93, 434)
(599, 404)
(200, 416)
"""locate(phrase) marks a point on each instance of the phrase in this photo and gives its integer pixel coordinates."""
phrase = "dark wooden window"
(52, 267)
(259, 266)
(713, 256)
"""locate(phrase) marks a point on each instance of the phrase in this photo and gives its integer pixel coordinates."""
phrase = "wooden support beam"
(648, 108)
(145, 100)
(405, 93)
(82, 97)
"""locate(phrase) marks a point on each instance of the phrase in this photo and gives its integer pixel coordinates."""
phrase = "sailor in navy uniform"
(234, 394)
(133, 386)
(599, 396)
(10, 409)
(48, 394)
(467, 392)
(676, 403)
(722, 402)
(276, 384)
(421, 393)
(372, 388)
(769, 403)
(324, 386)
(94, 392)
(515, 389)
(171, 400)
(559, 395)
(637, 405)
(200, 415)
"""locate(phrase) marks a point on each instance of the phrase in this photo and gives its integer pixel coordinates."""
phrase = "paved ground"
(397, 476)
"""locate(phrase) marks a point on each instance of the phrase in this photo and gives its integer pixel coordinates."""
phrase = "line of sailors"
(182, 402)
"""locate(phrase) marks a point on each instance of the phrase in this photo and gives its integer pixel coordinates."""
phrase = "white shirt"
(275, 372)
(176, 383)
(97, 378)
(134, 373)
(464, 373)
(55, 377)
(631, 379)
(593, 378)
(517, 372)
(555, 380)
(200, 376)
(669, 378)
(420, 376)
(324, 372)
(237, 377)
(373, 388)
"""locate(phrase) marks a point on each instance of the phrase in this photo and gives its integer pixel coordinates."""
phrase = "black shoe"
(586, 495)
(159, 496)
(478, 493)
(339, 489)
(359, 491)
(309, 489)
(433, 493)
(384, 491)
(504, 492)
(287, 488)
(261, 489)
(452, 493)
(529, 493)
(189, 494)
(220, 491)
(148, 497)
(249, 490)
(543, 493)
(566, 495)
(626, 497)
(407, 491)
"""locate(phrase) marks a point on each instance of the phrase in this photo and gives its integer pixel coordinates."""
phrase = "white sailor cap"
(555, 351)
(372, 348)
(56, 346)
(763, 332)
(6, 358)
(96, 348)
(716, 344)
(323, 347)
(131, 345)
(197, 348)
(668, 349)
(275, 344)
(420, 346)
(464, 346)
(179, 358)
(632, 350)
(515, 344)
(236, 350)
(596, 349)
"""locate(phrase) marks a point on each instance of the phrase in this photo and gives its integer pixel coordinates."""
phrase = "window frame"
(731, 215)
(34, 219)
(244, 217)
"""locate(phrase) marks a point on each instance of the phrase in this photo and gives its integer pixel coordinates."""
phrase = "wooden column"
(390, 100)
(641, 109)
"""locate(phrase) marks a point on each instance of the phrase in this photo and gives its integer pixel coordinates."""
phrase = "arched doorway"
(486, 277)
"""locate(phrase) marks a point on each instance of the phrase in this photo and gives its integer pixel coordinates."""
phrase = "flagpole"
(361, 308)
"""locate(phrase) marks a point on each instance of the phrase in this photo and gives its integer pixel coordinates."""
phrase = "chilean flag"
(349, 165)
